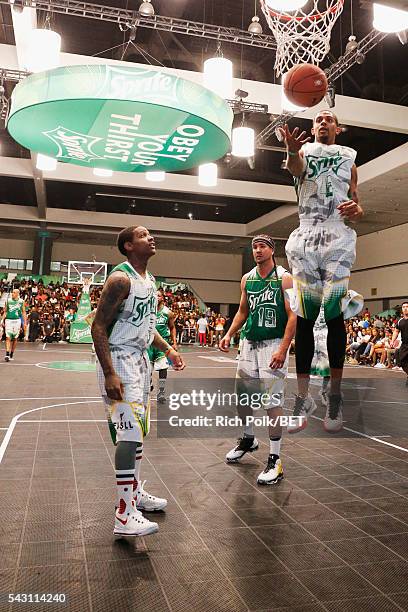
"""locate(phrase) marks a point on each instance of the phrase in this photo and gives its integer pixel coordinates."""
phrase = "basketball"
(305, 85)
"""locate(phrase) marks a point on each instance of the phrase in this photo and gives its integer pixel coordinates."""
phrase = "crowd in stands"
(52, 308)
(369, 340)
(193, 324)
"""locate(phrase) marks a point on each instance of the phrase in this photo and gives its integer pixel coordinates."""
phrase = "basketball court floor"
(333, 535)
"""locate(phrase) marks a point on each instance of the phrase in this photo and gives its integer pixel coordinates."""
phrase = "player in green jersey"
(14, 312)
(165, 325)
(263, 362)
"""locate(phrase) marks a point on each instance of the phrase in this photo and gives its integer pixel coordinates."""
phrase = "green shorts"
(157, 358)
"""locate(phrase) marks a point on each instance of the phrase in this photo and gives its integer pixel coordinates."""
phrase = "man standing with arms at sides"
(165, 326)
(402, 327)
(321, 252)
(14, 311)
(263, 361)
(123, 328)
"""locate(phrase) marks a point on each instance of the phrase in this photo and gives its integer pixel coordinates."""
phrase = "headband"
(265, 239)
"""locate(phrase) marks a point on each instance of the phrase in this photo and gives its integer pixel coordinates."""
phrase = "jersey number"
(266, 317)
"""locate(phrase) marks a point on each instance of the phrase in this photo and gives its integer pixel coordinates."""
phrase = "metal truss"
(126, 18)
(238, 106)
(7, 74)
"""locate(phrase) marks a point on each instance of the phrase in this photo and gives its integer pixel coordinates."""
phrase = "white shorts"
(12, 328)
(131, 416)
(254, 374)
(320, 257)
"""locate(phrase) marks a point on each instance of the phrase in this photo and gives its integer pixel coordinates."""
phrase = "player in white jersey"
(123, 329)
(321, 251)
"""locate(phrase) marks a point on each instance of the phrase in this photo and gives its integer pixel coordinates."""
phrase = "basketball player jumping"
(167, 330)
(123, 328)
(263, 360)
(14, 311)
(321, 252)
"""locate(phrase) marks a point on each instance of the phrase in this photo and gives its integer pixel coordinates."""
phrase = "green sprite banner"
(133, 119)
(80, 332)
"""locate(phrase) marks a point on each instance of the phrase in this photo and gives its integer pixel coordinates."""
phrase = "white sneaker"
(161, 396)
(7, 358)
(245, 445)
(380, 366)
(273, 472)
(133, 524)
(11, 358)
(304, 408)
(147, 502)
(333, 421)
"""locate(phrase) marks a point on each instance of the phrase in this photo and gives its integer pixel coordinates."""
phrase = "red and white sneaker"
(147, 502)
(133, 524)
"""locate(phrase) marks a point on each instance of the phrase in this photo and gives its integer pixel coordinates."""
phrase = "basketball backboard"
(87, 272)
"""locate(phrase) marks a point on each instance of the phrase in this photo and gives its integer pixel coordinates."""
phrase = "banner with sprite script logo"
(132, 119)
(80, 332)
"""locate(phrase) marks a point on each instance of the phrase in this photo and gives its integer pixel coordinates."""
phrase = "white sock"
(249, 431)
(274, 446)
(124, 491)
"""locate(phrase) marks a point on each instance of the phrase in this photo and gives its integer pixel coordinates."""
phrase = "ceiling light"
(207, 175)
(46, 163)
(389, 19)
(218, 76)
(217, 210)
(155, 177)
(255, 27)
(243, 142)
(176, 207)
(43, 50)
(146, 8)
(190, 216)
(285, 5)
(105, 172)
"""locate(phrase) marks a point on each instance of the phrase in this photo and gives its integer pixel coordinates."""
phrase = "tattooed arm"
(116, 289)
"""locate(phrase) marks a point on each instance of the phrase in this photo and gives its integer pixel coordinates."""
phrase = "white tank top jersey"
(133, 329)
(325, 182)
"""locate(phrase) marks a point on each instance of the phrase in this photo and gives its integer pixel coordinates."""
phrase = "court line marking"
(18, 399)
(375, 438)
(15, 419)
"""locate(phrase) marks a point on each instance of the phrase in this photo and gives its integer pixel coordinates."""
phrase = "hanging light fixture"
(389, 19)
(43, 50)
(46, 163)
(104, 172)
(146, 8)
(218, 74)
(255, 27)
(243, 142)
(157, 176)
(207, 175)
(285, 5)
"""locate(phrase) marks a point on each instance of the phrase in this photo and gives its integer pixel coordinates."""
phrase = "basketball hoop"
(302, 37)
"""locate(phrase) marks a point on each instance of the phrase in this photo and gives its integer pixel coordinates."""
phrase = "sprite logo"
(267, 295)
(319, 165)
(73, 145)
(142, 308)
(80, 333)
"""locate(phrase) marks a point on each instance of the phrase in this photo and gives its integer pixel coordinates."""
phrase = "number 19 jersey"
(267, 317)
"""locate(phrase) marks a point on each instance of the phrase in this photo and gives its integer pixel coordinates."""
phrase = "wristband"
(291, 154)
(168, 351)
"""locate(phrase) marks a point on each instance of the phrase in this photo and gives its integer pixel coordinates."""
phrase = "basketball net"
(301, 37)
(86, 284)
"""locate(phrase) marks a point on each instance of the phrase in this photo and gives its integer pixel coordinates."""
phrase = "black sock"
(11, 353)
(7, 353)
